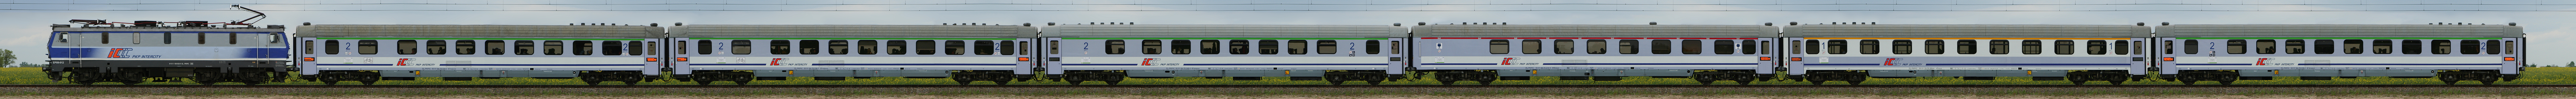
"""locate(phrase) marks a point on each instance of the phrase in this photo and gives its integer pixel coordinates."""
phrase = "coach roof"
(872, 31)
(2337, 30)
(481, 31)
(1966, 30)
(1223, 31)
(1579, 30)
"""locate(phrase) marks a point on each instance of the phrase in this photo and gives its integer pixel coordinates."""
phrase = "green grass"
(1360, 92)
(2537, 75)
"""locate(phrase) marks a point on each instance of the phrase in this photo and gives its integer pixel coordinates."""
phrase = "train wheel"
(742, 80)
(2450, 82)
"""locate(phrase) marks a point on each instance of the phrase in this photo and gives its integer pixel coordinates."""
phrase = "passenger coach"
(1854, 52)
(2450, 52)
(1332, 53)
(368, 53)
(742, 53)
(1493, 51)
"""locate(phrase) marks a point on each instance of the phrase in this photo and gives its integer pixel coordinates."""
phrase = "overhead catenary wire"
(1283, 10)
(1248, 4)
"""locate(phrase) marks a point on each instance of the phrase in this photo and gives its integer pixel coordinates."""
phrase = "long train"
(193, 51)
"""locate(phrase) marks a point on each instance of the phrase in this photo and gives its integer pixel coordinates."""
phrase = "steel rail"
(1235, 86)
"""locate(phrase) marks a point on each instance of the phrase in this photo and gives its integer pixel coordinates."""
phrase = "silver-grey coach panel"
(1577, 30)
(171, 29)
(1966, 30)
(872, 31)
(1224, 31)
(481, 31)
(2337, 30)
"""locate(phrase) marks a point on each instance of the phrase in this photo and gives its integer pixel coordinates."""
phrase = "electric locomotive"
(154, 51)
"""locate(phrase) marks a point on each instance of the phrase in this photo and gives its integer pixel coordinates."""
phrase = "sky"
(2543, 21)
